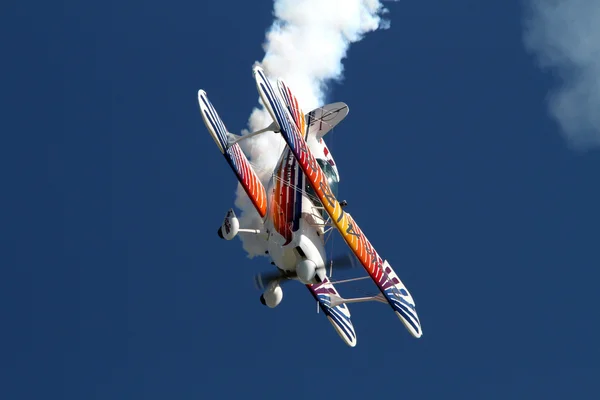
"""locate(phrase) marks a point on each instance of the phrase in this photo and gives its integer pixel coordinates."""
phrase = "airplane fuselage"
(292, 213)
(294, 223)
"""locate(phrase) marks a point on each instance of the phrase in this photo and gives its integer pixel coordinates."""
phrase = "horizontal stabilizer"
(323, 119)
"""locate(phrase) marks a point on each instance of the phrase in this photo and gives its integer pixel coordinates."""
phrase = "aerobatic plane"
(299, 206)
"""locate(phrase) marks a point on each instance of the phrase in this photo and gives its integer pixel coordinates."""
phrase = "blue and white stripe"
(403, 308)
(278, 110)
(339, 316)
(217, 125)
(232, 154)
(340, 313)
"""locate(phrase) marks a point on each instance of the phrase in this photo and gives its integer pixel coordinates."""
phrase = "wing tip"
(256, 69)
(214, 123)
(201, 95)
(416, 334)
(350, 341)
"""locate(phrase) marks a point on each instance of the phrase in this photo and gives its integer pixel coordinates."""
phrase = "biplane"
(299, 205)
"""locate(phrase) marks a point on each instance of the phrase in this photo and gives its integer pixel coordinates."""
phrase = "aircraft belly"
(308, 237)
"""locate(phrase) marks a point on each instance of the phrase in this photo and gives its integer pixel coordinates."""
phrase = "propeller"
(344, 261)
(340, 262)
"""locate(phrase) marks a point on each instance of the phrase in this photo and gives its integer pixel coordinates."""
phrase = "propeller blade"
(262, 280)
(344, 261)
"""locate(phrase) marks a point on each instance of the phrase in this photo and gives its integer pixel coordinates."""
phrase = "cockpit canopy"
(332, 179)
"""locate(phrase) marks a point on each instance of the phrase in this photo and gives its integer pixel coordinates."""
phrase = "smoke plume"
(305, 46)
(565, 37)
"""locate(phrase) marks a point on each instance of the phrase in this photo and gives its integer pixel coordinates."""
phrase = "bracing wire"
(328, 236)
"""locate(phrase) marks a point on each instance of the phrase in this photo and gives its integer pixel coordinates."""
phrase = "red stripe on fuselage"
(284, 200)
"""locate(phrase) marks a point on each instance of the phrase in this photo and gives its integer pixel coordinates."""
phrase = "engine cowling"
(272, 295)
(308, 272)
(230, 227)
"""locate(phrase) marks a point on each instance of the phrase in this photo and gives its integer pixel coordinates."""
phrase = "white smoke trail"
(304, 46)
(565, 37)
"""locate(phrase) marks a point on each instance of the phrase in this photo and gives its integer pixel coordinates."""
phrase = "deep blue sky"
(115, 285)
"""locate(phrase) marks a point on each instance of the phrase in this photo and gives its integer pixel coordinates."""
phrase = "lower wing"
(338, 315)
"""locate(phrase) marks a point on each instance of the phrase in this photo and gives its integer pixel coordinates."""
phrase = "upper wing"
(234, 155)
(380, 271)
(294, 109)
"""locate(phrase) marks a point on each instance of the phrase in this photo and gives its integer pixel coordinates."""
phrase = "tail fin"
(233, 154)
(321, 121)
